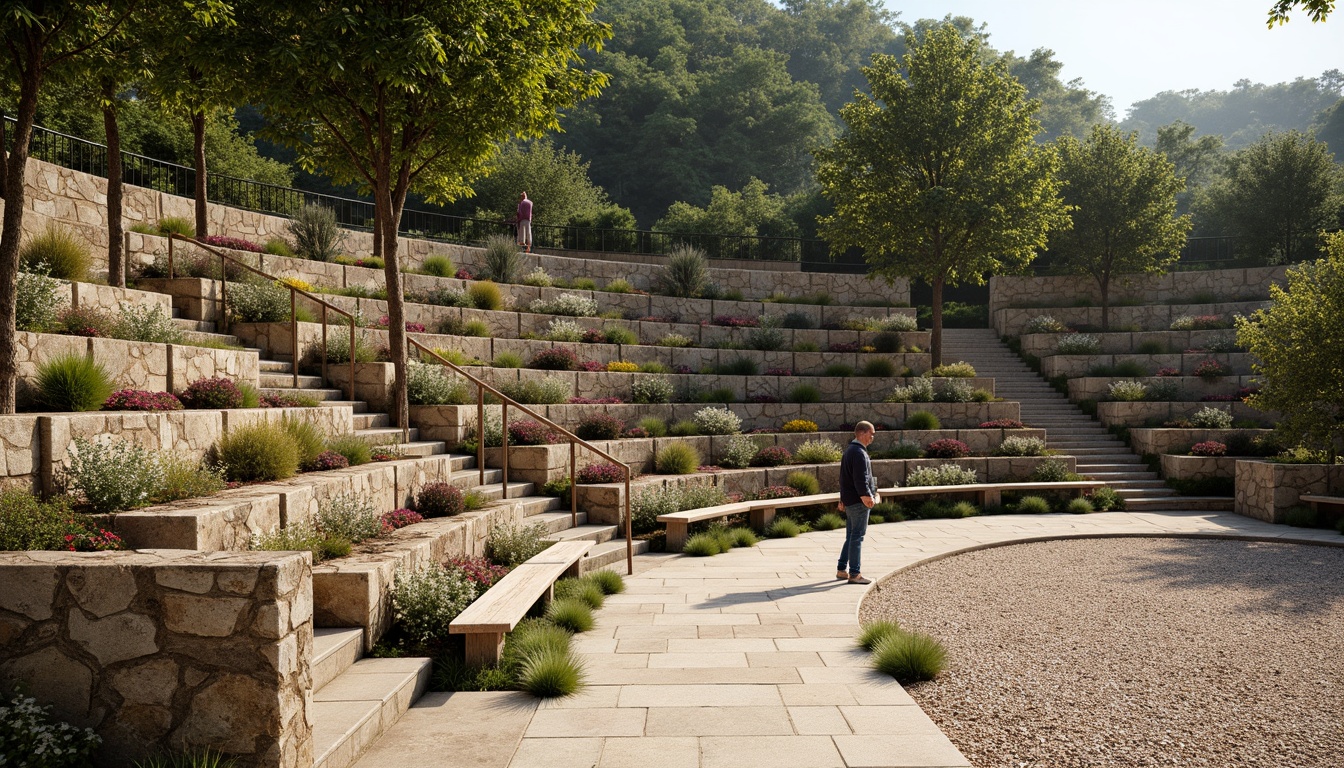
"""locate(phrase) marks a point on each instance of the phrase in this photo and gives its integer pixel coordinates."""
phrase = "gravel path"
(1133, 652)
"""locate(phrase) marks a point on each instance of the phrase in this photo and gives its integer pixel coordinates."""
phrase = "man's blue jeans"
(856, 525)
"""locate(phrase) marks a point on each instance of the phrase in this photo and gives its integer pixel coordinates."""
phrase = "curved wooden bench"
(761, 513)
(498, 611)
(1316, 501)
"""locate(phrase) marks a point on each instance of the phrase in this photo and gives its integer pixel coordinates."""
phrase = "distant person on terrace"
(525, 222)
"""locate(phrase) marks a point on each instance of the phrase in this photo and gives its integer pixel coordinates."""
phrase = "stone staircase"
(1100, 454)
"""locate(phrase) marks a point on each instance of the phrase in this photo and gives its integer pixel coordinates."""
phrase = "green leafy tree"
(1329, 129)
(1276, 196)
(1298, 347)
(556, 182)
(415, 95)
(1123, 206)
(938, 175)
(749, 212)
(42, 41)
(1196, 160)
(1318, 10)
(829, 41)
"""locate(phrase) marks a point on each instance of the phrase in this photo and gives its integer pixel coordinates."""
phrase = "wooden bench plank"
(562, 551)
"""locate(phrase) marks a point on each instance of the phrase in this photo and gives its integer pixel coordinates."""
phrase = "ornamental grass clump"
(258, 452)
(803, 393)
(338, 347)
(58, 252)
(947, 449)
(878, 367)
(875, 632)
(308, 437)
(317, 235)
(805, 483)
(676, 459)
(922, 420)
(717, 421)
(73, 382)
(817, 452)
(485, 295)
(570, 614)
(1079, 507)
(1021, 446)
(783, 528)
(909, 657)
(550, 391)
(141, 400)
(1211, 418)
(1032, 505)
(354, 448)
(686, 274)
(945, 474)
(675, 340)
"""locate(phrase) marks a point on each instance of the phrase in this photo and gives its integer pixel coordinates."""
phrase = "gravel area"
(1133, 652)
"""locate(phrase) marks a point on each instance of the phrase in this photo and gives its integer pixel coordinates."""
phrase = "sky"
(1131, 50)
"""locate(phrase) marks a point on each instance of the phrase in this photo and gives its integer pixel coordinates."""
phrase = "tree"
(1298, 347)
(415, 95)
(556, 182)
(1276, 196)
(40, 40)
(1195, 160)
(750, 212)
(1123, 206)
(1067, 109)
(938, 175)
(1317, 9)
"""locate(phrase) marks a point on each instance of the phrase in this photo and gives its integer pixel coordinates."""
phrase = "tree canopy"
(1318, 10)
(938, 174)
(555, 180)
(751, 211)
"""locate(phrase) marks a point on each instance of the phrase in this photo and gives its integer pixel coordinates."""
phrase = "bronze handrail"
(294, 293)
(573, 440)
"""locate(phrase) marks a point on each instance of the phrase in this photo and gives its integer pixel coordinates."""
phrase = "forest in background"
(714, 108)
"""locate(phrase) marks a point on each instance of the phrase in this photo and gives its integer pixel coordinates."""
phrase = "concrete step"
(423, 448)
(1112, 477)
(325, 396)
(555, 522)
(595, 533)
(381, 435)
(356, 406)
(274, 366)
(1114, 465)
(372, 420)
(334, 651)
(280, 380)
(353, 710)
(197, 326)
(1181, 504)
(609, 552)
(492, 490)
(197, 337)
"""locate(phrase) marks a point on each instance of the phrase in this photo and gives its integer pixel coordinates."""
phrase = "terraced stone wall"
(1180, 287)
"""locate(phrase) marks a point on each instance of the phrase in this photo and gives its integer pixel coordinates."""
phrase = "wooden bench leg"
(676, 535)
(990, 497)
(761, 518)
(484, 649)
(575, 570)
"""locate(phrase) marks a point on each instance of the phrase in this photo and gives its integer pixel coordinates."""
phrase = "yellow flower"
(799, 425)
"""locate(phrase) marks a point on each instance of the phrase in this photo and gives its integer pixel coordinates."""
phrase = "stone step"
(1181, 504)
(274, 366)
(334, 651)
(197, 337)
(1116, 465)
(381, 435)
(371, 420)
(533, 506)
(609, 552)
(352, 711)
(356, 406)
(555, 522)
(422, 447)
(324, 396)
(492, 489)
(286, 380)
(1112, 477)
(595, 533)
(197, 326)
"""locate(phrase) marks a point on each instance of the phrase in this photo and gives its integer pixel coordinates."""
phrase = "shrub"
(943, 474)
(1211, 418)
(806, 484)
(737, 452)
(876, 632)
(958, 370)
(316, 234)
(741, 366)
(651, 390)
(1160, 391)
(675, 340)
(1078, 344)
(799, 425)
(537, 391)
(720, 395)
(838, 370)
(425, 602)
(888, 510)
(683, 428)
(599, 426)
(1168, 372)
(1128, 391)
(600, 473)
(485, 295)
(146, 323)
(555, 359)
(1002, 424)
(1183, 323)
(1211, 369)
(309, 439)
(324, 461)
(508, 360)
(1129, 368)
(538, 278)
(818, 452)
(1052, 471)
(73, 382)
(768, 338)
(954, 392)
(510, 545)
(917, 391)
(141, 400)
(804, 393)
(1021, 446)
(647, 505)
(1078, 507)
(1208, 448)
(1033, 505)
(439, 499)
(258, 303)
(354, 448)
(431, 385)
(897, 323)
(572, 615)
(57, 252)
(717, 421)
(570, 304)
(338, 347)
(653, 426)
(114, 475)
(783, 528)
(909, 657)
(349, 516)
(922, 420)
(620, 335)
(878, 367)
(562, 330)
(676, 459)
(263, 451)
(947, 449)
(620, 366)
(503, 260)
(32, 736)
(219, 392)
(686, 273)
(1044, 324)
(36, 302)
(772, 456)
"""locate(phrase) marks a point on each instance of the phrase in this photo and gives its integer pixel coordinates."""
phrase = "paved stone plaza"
(746, 659)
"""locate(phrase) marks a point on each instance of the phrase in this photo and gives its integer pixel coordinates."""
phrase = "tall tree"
(41, 39)
(1196, 160)
(1298, 347)
(1318, 10)
(556, 182)
(1123, 206)
(938, 175)
(1276, 196)
(405, 95)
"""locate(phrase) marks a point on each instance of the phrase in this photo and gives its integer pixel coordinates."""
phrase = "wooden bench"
(498, 611)
(1316, 501)
(762, 513)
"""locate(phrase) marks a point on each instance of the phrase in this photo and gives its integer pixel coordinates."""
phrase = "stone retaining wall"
(1139, 413)
(1198, 467)
(605, 503)
(1266, 490)
(1210, 286)
(1159, 441)
(1189, 388)
(1046, 344)
(1011, 320)
(1078, 365)
(166, 650)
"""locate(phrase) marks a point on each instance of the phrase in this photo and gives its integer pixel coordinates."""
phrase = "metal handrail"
(294, 293)
(573, 440)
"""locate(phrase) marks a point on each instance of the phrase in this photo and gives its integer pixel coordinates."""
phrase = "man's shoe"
(858, 579)
(842, 575)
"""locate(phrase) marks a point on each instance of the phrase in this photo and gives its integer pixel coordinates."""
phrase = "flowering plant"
(236, 243)
(463, 274)
(1208, 448)
(1220, 399)
(592, 366)
(218, 392)
(555, 359)
(93, 540)
(479, 570)
(384, 453)
(636, 432)
(737, 321)
(762, 399)
(778, 371)
(327, 460)
(776, 492)
(1211, 369)
(771, 456)
(658, 319)
(33, 735)
(593, 336)
(1002, 424)
(947, 449)
(141, 400)
(411, 327)
(682, 369)
(595, 401)
(528, 432)
(600, 473)
(400, 518)
(1168, 372)
(621, 366)
(844, 346)
(440, 500)
(799, 425)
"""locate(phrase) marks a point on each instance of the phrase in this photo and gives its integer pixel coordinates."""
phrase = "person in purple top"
(525, 222)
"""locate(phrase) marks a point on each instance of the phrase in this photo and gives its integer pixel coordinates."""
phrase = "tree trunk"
(29, 86)
(4, 158)
(116, 264)
(936, 340)
(377, 234)
(1105, 284)
(198, 140)
(396, 311)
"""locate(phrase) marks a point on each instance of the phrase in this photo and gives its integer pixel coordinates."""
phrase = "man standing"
(858, 494)
(525, 222)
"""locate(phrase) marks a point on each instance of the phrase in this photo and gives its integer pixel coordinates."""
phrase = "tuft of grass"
(263, 451)
(353, 447)
(704, 545)
(570, 614)
(307, 437)
(551, 674)
(58, 253)
(1079, 507)
(684, 428)
(439, 266)
(486, 295)
(176, 225)
(910, 657)
(922, 420)
(783, 528)
(610, 582)
(578, 589)
(804, 393)
(1033, 505)
(676, 459)
(876, 632)
(508, 360)
(205, 758)
(742, 537)
(73, 382)
(1301, 517)
(805, 483)
(828, 522)
(653, 426)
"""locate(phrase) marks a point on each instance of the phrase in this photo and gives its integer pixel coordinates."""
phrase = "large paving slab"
(747, 659)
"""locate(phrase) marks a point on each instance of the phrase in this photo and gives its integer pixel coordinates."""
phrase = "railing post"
(504, 451)
(480, 432)
(629, 542)
(573, 490)
(294, 334)
(352, 357)
(224, 298)
(324, 345)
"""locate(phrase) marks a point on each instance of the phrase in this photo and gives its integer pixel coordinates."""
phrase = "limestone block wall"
(166, 650)
(1139, 413)
(1215, 285)
(1011, 320)
(1189, 388)
(1045, 344)
(1198, 467)
(1266, 490)
(1160, 441)
(1078, 365)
